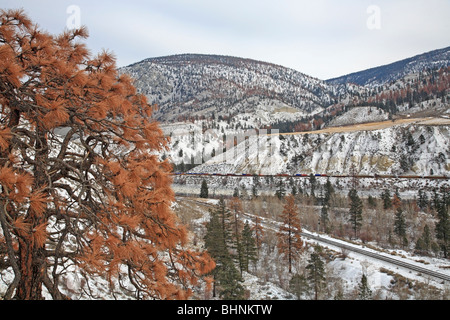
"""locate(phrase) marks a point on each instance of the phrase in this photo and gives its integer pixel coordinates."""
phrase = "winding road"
(274, 226)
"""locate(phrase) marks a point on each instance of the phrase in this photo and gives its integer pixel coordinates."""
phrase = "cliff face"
(403, 149)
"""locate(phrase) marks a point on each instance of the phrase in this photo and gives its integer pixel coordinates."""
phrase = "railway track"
(382, 257)
(274, 226)
(301, 175)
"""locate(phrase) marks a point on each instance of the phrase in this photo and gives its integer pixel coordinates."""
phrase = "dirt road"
(376, 125)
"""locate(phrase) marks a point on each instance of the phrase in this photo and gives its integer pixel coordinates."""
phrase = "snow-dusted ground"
(264, 284)
(358, 263)
(360, 115)
(350, 269)
(406, 149)
(264, 281)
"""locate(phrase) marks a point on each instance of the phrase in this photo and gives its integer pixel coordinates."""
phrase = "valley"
(207, 176)
(250, 141)
(389, 269)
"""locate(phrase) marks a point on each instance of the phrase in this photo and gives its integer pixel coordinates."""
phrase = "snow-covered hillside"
(189, 86)
(412, 149)
(394, 71)
(360, 115)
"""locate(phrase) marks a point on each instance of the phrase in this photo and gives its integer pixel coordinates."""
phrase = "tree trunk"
(32, 259)
(32, 266)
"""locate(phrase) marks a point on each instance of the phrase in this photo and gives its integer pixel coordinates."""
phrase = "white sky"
(322, 38)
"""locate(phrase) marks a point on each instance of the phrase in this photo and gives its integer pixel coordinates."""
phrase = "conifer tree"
(81, 183)
(386, 197)
(281, 190)
(316, 271)
(371, 202)
(298, 285)
(422, 201)
(312, 183)
(355, 211)
(290, 243)
(423, 244)
(329, 190)
(259, 232)
(218, 241)
(236, 209)
(254, 190)
(364, 291)
(248, 245)
(294, 190)
(442, 228)
(229, 281)
(204, 189)
(324, 219)
(400, 226)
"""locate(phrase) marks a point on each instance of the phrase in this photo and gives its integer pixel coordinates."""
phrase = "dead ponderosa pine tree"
(81, 182)
(290, 243)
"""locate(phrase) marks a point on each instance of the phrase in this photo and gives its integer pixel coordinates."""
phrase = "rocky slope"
(397, 70)
(206, 86)
(206, 101)
(413, 149)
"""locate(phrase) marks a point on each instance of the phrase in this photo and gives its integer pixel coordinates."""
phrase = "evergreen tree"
(329, 190)
(355, 211)
(217, 242)
(244, 194)
(254, 191)
(294, 190)
(204, 189)
(400, 226)
(364, 291)
(324, 219)
(215, 239)
(371, 202)
(236, 209)
(249, 250)
(426, 236)
(316, 271)
(422, 201)
(298, 285)
(386, 197)
(423, 244)
(281, 191)
(312, 183)
(442, 228)
(229, 281)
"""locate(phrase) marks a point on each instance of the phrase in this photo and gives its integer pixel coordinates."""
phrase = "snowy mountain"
(394, 71)
(205, 102)
(194, 86)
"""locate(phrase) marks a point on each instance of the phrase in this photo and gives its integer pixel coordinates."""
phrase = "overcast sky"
(322, 38)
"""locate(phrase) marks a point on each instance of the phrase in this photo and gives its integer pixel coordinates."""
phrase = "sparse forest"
(386, 222)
